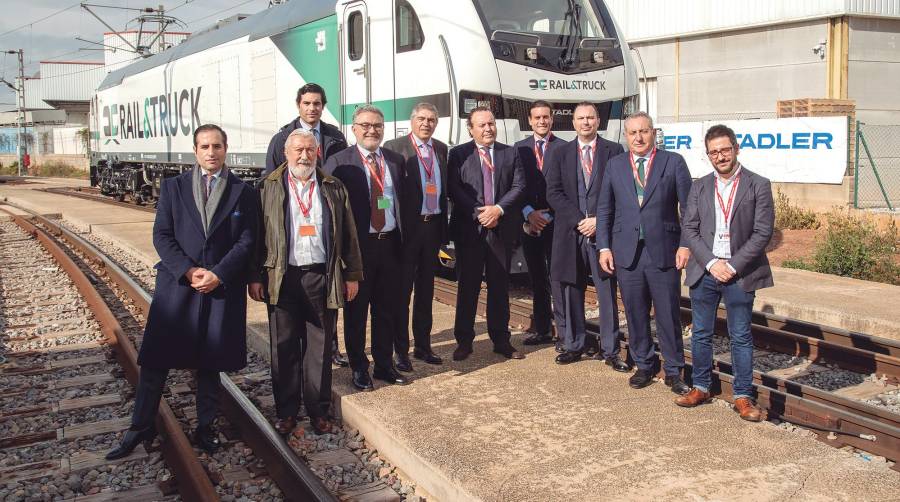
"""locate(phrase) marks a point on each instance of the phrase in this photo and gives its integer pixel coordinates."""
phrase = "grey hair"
(300, 133)
(640, 115)
(370, 108)
(423, 106)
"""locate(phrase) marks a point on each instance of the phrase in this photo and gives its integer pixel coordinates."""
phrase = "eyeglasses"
(724, 152)
(368, 125)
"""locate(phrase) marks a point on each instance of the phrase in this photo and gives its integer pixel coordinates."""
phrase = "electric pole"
(20, 99)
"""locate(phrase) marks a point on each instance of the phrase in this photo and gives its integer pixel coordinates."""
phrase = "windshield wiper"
(573, 14)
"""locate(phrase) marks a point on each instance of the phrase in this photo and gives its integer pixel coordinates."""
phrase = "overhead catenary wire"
(26, 25)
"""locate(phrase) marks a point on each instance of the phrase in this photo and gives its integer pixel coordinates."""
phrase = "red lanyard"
(305, 209)
(634, 169)
(486, 158)
(375, 177)
(539, 152)
(429, 166)
(726, 210)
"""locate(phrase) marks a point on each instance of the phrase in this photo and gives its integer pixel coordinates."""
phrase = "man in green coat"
(309, 264)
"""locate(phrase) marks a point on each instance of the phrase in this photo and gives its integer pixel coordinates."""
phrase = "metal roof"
(263, 24)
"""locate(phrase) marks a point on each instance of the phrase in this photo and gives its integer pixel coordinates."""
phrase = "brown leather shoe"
(747, 409)
(322, 425)
(693, 398)
(284, 426)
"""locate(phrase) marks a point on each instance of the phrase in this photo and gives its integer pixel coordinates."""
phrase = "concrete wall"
(874, 69)
(77, 161)
(818, 197)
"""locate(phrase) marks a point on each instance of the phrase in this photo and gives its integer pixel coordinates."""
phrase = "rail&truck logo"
(566, 85)
(170, 114)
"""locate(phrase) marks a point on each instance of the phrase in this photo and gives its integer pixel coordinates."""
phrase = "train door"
(355, 62)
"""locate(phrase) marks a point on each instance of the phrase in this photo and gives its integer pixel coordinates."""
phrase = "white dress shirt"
(307, 249)
(390, 220)
(721, 246)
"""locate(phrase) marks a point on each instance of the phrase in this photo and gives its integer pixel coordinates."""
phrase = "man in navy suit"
(575, 173)
(204, 233)
(487, 189)
(639, 237)
(537, 231)
(373, 178)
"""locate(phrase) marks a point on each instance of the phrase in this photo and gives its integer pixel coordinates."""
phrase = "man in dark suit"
(487, 190)
(308, 265)
(310, 104)
(728, 222)
(537, 231)
(204, 233)
(373, 178)
(639, 236)
(425, 204)
(575, 173)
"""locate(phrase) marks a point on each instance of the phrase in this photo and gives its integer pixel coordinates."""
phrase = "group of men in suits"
(331, 226)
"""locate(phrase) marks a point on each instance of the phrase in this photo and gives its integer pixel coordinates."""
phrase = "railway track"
(793, 385)
(93, 194)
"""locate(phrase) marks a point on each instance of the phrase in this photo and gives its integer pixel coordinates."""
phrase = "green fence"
(877, 167)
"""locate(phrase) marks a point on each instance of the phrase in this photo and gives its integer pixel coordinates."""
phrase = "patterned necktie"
(375, 194)
(209, 180)
(487, 172)
(587, 164)
(540, 154)
(643, 182)
(428, 160)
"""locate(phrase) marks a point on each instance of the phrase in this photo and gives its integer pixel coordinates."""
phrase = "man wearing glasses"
(727, 224)
(373, 178)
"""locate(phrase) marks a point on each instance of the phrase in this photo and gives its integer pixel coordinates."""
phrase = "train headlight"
(531, 53)
(597, 56)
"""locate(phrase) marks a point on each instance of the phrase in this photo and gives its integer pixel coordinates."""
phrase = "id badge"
(307, 230)
(384, 202)
(722, 244)
(430, 188)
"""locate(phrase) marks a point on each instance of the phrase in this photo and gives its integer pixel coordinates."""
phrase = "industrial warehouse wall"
(874, 69)
(79, 162)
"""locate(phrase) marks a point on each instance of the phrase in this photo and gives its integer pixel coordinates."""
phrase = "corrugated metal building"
(709, 59)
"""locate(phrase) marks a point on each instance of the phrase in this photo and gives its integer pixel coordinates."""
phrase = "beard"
(302, 171)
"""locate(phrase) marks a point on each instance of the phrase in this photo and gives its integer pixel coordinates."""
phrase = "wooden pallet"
(815, 107)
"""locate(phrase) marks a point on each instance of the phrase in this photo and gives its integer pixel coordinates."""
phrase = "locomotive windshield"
(570, 36)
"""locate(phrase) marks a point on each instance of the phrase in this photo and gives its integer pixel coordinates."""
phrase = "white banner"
(792, 150)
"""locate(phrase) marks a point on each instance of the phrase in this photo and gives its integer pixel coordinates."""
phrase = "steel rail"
(295, 479)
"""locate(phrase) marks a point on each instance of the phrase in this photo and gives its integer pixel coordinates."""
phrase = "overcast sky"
(23, 26)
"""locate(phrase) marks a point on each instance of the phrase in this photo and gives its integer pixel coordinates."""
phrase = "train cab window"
(409, 31)
(355, 36)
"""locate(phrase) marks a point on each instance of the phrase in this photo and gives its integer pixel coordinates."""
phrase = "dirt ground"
(791, 244)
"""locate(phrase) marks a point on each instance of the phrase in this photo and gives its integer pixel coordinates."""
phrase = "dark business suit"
(380, 287)
(424, 236)
(574, 255)
(480, 249)
(645, 267)
(331, 142)
(752, 221)
(538, 249)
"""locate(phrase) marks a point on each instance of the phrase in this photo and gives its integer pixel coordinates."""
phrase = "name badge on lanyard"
(305, 229)
(383, 201)
(722, 241)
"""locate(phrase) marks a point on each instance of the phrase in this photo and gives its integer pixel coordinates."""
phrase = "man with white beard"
(308, 263)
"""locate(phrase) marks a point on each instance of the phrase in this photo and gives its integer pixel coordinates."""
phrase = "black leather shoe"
(362, 381)
(538, 339)
(404, 364)
(428, 356)
(207, 438)
(591, 347)
(560, 347)
(339, 359)
(677, 385)
(390, 376)
(640, 379)
(509, 352)
(568, 357)
(130, 441)
(462, 352)
(617, 364)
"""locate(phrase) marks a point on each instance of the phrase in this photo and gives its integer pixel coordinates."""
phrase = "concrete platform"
(491, 429)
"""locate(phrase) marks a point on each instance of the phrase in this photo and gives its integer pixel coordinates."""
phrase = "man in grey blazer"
(728, 221)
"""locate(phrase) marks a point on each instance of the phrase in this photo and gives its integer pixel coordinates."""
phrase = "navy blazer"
(413, 190)
(332, 142)
(467, 193)
(534, 176)
(619, 217)
(561, 171)
(347, 166)
(185, 328)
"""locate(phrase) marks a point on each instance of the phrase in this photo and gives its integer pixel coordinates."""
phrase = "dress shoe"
(591, 348)
(427, 355)
(462, 352)
(340, 360)
(538, 339)
(748, 409)
(568, 357)
(390, 376)
(693, 398)
(640, 379)
(560, 347)
(207, 438)
(404, 364)
(285, 426)
(509, 352)
(322, 425)
(130, 441)
(677, 385)
(362, 381)
(617, 364)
